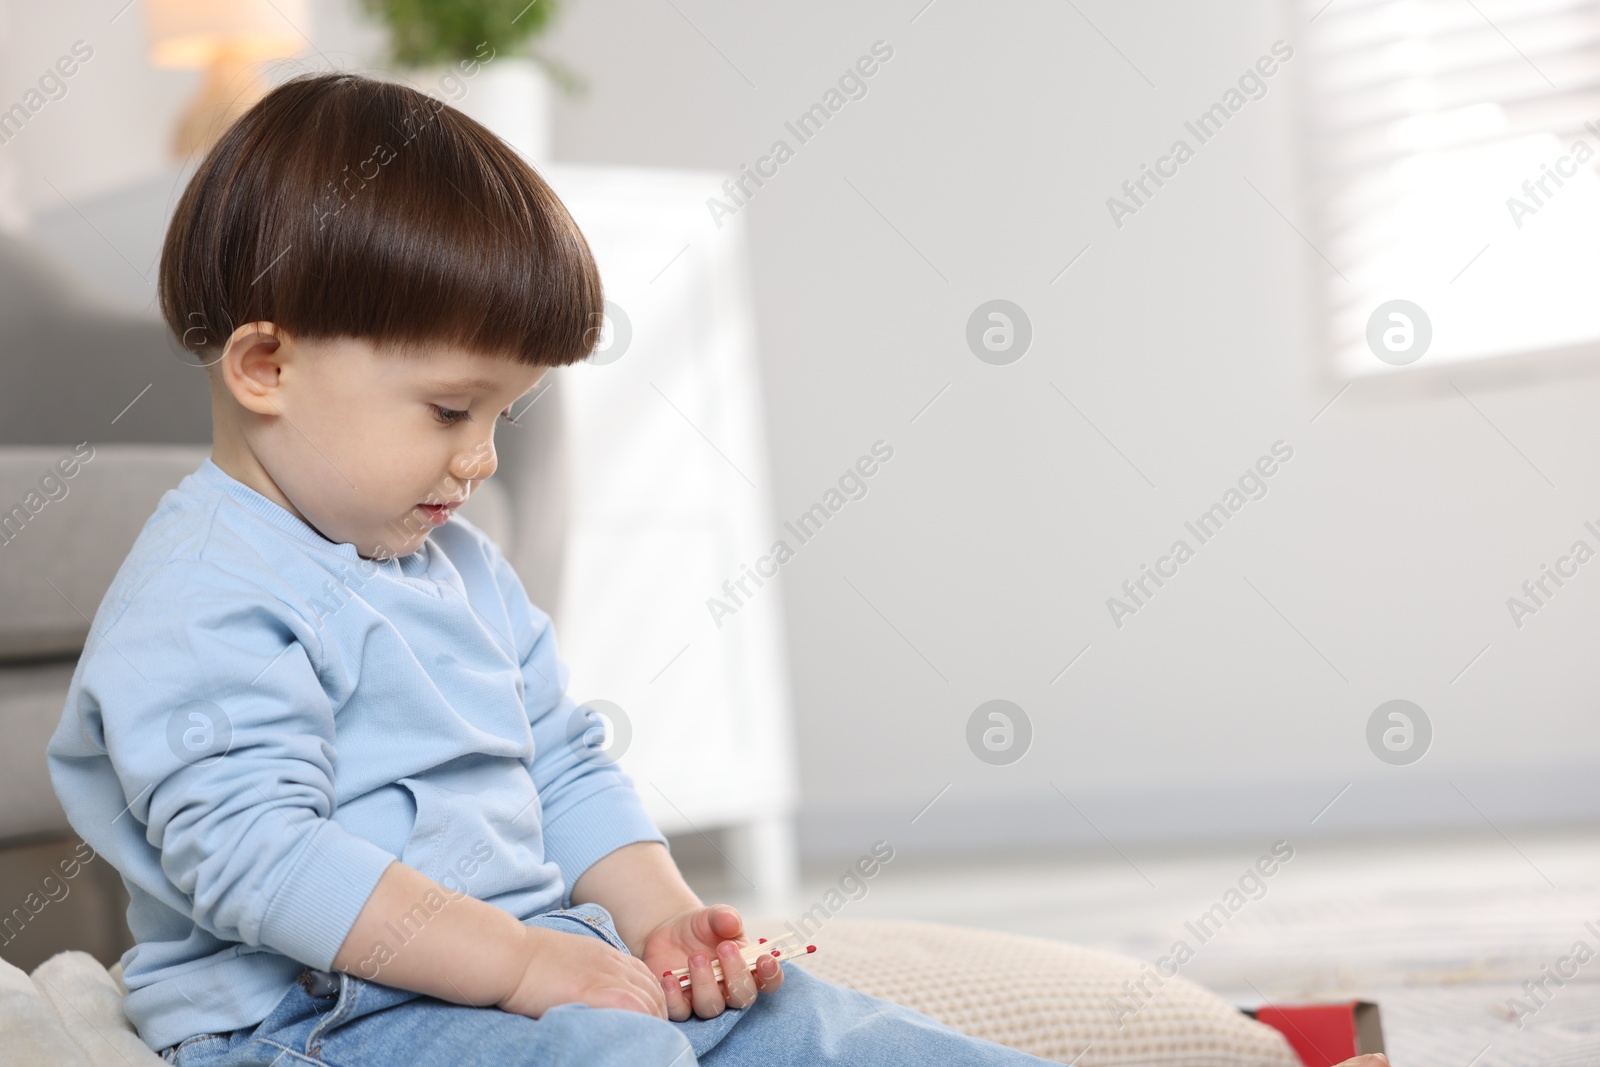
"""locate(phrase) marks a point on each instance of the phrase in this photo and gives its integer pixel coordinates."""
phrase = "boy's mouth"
(437, 514)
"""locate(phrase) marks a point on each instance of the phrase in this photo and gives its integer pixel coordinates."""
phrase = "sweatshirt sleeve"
(223, 741)
(590, 805)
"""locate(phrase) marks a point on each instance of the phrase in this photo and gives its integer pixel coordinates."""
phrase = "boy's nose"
(471, 469)
(475, 465)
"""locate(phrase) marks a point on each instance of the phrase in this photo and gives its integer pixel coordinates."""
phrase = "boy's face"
(358, 443)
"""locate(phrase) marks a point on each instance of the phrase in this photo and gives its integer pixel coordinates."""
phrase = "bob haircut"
(340, 206)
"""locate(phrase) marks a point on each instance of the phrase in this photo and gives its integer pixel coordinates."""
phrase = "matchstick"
(752, 955)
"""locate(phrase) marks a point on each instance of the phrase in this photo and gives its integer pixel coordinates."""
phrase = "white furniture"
(670, 496)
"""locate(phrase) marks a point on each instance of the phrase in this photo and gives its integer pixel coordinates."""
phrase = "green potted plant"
(480, 56)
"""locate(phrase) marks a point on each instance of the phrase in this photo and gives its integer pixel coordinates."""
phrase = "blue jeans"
(330, 1018)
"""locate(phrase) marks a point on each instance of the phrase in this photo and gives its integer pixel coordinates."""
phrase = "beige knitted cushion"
(1047, 998)
(1044, 997)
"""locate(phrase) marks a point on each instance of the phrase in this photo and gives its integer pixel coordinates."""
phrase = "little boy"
(318, 727)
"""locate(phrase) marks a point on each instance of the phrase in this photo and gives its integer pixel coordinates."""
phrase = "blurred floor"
(1439, 931)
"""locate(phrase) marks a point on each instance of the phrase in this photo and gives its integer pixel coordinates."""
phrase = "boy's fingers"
(741, 987)
(703, 991)
(677, 1004)
(649, 991)
(658, 996)
(769, 976)
(723, 922)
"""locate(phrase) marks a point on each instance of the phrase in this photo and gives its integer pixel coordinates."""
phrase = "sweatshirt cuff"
(592, 829)
(322, 893)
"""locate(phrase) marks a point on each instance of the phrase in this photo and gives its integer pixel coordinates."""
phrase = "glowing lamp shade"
(227, 39)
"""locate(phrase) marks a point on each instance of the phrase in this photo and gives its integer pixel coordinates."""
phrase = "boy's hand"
(704, 934)
(565, 968)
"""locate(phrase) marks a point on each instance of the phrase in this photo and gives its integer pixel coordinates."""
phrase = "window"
(1453, 152)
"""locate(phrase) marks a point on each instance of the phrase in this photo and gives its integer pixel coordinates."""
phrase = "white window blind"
(1454, 147)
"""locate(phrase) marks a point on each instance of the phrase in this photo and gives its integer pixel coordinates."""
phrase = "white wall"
(111, 124)
(991, 540)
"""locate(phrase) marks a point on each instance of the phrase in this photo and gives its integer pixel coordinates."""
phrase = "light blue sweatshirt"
(262, 721)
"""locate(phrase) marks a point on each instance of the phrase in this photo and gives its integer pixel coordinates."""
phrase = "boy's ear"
(251, 364)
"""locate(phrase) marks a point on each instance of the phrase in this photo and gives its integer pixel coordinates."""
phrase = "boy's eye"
(450, 417)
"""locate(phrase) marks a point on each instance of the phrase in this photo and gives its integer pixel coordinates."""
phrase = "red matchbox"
(1323, 1035)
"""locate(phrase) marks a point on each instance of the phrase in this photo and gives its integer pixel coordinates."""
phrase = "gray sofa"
(79, 381)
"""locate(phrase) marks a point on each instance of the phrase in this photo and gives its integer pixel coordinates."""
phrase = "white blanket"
(68, 1014)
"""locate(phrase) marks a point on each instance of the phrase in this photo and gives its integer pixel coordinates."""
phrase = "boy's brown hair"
(344, 206)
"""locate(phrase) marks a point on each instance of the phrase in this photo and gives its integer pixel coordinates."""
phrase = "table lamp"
(227, 39)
